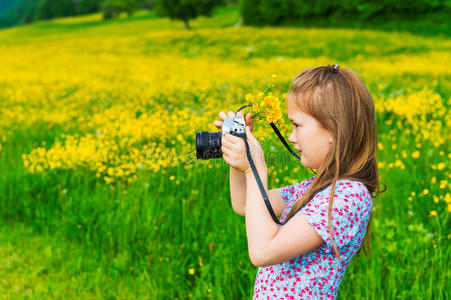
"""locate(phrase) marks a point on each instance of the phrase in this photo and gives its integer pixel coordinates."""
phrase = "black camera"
(208, 144)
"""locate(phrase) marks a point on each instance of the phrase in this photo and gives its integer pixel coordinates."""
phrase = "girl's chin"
(305, 163)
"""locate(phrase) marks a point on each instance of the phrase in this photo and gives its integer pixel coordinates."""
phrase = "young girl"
(324, 218)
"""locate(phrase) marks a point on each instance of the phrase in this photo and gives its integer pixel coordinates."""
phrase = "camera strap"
(281, 138)
(259, 183)
(279, 135)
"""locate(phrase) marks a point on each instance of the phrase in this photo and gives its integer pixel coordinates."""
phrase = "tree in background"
(113, 8)
(276, 12)
(186, 10)
(48, 9)
(89, 6)
(18, 12)
(5, 5)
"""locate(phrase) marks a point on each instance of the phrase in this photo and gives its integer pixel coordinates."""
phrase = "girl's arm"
(238, 191)
(238, 194)
(268, 244)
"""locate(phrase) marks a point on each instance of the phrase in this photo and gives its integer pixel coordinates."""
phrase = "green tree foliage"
(88, 6)
(14, 12)
(113, 8)
(274, 12)
(48, 9)
(6, 5)
(20, 12)
(186, 10)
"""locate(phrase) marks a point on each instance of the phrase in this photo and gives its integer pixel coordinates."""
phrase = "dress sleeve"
(350, 213)
(287, 192)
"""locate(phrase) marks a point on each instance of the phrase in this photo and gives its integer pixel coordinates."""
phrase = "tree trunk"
(186, 24)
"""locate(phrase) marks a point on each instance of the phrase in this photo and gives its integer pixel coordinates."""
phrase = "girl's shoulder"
(347, 186)
(347, 191)
(342, 186)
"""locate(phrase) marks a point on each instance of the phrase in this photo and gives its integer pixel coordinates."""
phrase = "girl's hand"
(234, 152)
(231, 114)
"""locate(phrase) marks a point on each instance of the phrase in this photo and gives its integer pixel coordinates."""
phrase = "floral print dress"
(318, 273)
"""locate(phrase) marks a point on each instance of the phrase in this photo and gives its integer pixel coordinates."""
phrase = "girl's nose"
(291, 138)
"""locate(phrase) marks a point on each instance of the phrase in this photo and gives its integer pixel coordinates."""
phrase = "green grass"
(67, 235)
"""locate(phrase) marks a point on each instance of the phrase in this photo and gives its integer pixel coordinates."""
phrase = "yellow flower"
(255, 108)
(416, 154)
(172, 177)
(191, 271)
(441, 166)
(443, 183)
(250, 98)
(425, 191)
(433, 213)
(268, 100)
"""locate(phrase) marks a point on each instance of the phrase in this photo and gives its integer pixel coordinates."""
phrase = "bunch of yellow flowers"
(267, 106)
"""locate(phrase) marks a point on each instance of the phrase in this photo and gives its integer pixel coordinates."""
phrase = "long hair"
(342, 104)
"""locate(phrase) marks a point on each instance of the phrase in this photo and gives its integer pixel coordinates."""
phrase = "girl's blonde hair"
(342, 104)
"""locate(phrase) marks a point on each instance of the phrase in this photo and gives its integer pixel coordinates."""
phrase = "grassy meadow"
(101, 196)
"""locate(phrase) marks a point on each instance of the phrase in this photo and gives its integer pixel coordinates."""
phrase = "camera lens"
(208, 145)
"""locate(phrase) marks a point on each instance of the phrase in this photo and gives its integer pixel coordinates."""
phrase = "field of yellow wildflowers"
(101, 195)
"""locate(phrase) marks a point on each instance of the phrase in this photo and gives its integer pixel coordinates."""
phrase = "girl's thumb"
(249, 134)
(249, 121)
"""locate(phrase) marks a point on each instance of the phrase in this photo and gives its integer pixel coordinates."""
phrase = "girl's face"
(311, 140)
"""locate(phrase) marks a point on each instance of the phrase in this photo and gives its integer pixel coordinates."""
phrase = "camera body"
(208, 144)
(235, 126)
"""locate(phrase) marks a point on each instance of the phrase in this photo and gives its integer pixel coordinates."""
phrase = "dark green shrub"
(273, 12)
(113, 8)
(186, 10)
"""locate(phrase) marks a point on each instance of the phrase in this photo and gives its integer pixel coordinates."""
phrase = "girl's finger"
(231, 139)
(231, 114)
(218, 124)
(226, 158)
(250, 137)
(225, 148)
(222, 115)
(249, 118)
(249, 121)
